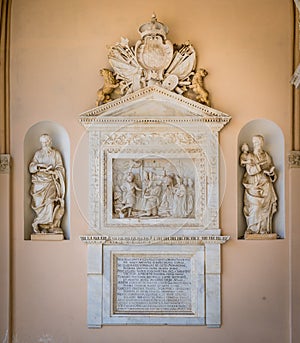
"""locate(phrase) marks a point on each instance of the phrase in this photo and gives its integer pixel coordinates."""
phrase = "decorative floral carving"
(149, 138)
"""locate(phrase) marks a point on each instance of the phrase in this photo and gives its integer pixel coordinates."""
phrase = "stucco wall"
(56, 52)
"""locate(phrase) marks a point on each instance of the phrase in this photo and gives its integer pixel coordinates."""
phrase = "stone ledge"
(259, 236)
(47, 237)
(199, 240)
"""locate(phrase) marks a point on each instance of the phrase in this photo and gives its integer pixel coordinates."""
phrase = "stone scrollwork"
(123, 139)
(153, 60)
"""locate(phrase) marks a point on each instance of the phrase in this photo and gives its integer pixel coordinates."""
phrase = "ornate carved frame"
(158, 125)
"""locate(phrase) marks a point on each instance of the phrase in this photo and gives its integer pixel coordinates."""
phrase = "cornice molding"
(144, 240)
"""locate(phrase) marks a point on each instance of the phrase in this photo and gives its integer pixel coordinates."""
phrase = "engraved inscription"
(152, 285)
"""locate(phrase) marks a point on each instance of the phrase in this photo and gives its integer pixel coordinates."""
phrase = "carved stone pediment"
(153, 102)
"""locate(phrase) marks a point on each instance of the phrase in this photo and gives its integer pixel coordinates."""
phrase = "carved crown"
(154, 27)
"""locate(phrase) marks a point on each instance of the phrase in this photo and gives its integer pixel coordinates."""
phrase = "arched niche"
(60, 141)
(274, 145)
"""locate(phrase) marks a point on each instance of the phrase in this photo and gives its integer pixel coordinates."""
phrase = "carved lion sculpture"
(198, 87)
(110, 83)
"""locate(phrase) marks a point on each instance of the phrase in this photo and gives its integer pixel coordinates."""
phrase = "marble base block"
(259, 236)
(47, 237)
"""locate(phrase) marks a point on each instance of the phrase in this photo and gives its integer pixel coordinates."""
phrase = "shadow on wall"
(274, 145)
(61, 142)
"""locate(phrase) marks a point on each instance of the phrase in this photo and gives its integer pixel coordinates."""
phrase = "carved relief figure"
(260, 200)
(166, 205)
(110, 83)
(129, 188)
(47, 188)
(151, 198)
(190, 195)
(197, 86)
(150, 191)
(179, 203)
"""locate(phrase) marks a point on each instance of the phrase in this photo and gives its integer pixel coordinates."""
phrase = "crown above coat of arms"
(153, 60)
(154, 27)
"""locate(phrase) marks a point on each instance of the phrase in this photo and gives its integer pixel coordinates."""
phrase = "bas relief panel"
(153, 188)
(155, 180)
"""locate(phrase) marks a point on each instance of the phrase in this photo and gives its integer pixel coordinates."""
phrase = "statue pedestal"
(47, 237)
(260, 236)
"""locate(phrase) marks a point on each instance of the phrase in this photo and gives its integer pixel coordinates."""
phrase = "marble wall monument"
(154, 240)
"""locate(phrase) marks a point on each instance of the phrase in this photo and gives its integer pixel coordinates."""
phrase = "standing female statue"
(260, 200)
(47, 188)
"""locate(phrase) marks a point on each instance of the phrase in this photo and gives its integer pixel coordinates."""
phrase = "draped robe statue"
(47, 188)
(260, 200)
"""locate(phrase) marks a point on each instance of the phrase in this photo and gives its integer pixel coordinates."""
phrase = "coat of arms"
(153, 60)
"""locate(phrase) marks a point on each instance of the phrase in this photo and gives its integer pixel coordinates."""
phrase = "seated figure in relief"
(47, 188)
(260, 200)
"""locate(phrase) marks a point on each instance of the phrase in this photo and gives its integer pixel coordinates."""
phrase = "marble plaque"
(152, 284)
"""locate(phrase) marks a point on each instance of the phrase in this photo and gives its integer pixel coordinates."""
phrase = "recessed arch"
(60, 141)
(274, 145)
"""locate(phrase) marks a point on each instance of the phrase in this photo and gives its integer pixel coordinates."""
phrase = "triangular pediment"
(155, 103)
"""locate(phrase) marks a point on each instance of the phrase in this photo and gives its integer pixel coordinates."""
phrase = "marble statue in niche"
(47, 188)
(260, 200)
(148, 190)
(153, 60)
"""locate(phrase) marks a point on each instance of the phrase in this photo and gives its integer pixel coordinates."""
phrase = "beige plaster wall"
(57, 48)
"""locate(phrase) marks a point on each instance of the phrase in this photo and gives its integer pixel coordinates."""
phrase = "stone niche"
(154, 240)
